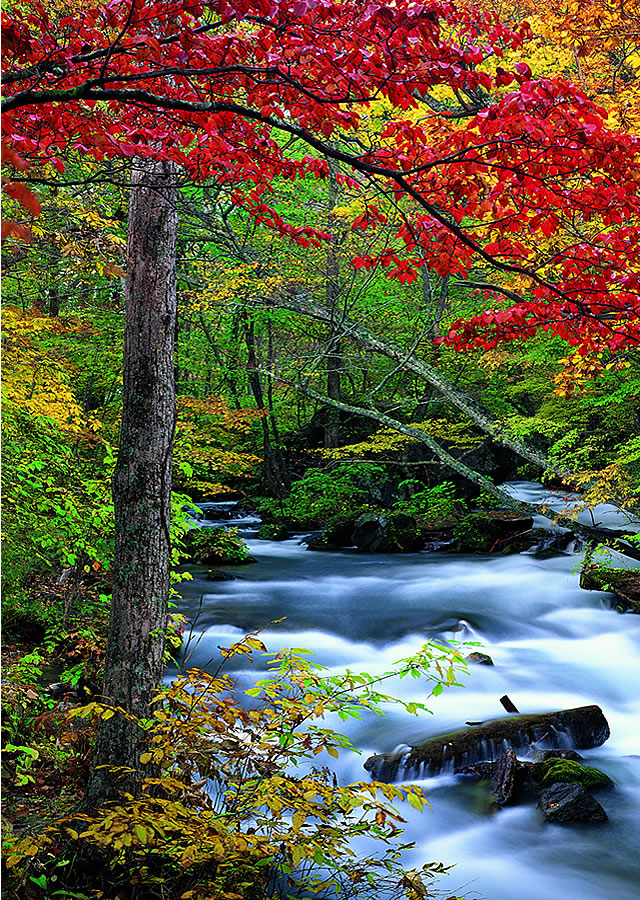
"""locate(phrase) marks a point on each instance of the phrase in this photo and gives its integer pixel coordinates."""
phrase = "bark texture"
(142, 481)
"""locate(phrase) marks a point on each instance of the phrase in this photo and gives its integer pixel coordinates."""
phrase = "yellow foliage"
(34, 378)
(386, 440)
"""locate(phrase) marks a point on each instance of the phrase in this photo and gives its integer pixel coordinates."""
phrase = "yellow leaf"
(141, 833)
(255, 644)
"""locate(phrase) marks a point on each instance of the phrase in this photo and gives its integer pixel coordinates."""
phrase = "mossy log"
(624, 583)
(584, 726)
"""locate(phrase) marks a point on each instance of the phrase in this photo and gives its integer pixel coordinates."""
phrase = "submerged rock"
(570, 804)
(219, 575)
(585, 726)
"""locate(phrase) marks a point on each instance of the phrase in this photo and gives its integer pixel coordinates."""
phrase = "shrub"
(275, 822)
(216, 545)
(432, 504)
(319, 494)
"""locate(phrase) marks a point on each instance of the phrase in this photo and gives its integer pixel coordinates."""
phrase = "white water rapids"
(554, 646)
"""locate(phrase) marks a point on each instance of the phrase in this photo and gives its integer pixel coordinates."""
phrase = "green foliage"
(320, 494)
(216, 545)
(57, 502)
(433, 503)
(272, 531)
(471, 535)
(276, 823)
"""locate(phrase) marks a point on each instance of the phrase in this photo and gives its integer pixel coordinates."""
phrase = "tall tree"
(142, 479)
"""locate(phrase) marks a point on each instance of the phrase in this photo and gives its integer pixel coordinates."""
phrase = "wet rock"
(370, 532)
(339, 528)
(219, 575)
(568, 771)
(559, 753)
(586, 726)
(570, 804)
(479, 659)
(549, 544)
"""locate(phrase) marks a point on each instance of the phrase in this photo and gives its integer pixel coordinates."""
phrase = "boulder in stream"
(479, 659)
(585, 727)
(375, 532)
(570, 804)
(219, 575)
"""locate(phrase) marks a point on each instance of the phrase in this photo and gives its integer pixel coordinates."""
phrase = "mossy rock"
(273, 531)
(376, 532)
(338, 530)
(567, 771)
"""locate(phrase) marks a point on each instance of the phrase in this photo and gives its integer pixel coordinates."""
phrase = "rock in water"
(570, 804)
(586, 727)
(480, 659)
(219, 575)
(568, 771)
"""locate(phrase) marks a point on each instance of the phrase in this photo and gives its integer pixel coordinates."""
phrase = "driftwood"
(508, 704)
(585, 727)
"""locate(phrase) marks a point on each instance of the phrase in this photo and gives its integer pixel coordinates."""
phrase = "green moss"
(557, 771)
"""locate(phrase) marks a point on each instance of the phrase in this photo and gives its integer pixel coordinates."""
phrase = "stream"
(554, 646)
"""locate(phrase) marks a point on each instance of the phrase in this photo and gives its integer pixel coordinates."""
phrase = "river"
(554, 646)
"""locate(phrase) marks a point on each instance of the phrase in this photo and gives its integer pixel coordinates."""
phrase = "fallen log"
(624, 583)
(584, 727)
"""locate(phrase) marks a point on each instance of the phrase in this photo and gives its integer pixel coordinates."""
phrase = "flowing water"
(554, 646)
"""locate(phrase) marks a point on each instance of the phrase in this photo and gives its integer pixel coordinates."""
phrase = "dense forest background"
(338, 353)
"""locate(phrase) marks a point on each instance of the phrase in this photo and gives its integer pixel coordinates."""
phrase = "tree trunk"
(334, 355)
(276, 473)
(141, 482)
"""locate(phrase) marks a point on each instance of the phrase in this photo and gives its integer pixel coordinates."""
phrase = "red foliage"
(209, 84)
